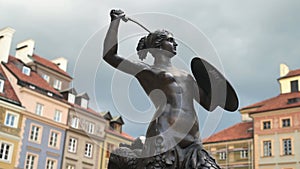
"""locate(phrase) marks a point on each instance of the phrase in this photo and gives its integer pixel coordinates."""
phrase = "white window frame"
(26, 70)
(72, 145)
(46, 77)
(287, 147)
(57, 115)
(51, 163)
(35, 133)
(84, 103)
(266, 127)
(284, 120)
(91, 128)
(222, 155)
(71, 98)
(70, 166)
(75, 122)
(2, 85)
(8, 153)
(31, 161)
(88, 150)
(11, 122)
(57, 84)
(267, 148)
(54, 139)
(39, 109)
(244, 154)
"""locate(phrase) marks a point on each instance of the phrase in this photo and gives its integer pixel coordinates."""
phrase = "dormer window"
(57, 84)
(1, 85)
(26, 70)
(117, 127)
(84, 103)
(294, 86)
(71, 98)
(46, 77)
(82, 100)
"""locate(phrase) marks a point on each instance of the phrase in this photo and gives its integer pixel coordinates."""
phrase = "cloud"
(251, 37)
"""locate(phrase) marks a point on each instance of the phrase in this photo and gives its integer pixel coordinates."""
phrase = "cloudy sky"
(246, 40)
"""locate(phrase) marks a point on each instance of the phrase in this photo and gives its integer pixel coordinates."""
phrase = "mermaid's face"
(169, 44)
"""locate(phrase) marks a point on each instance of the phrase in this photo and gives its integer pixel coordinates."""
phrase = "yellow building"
(232, 147)
(114, 136)
(11, 116)
(277, 125)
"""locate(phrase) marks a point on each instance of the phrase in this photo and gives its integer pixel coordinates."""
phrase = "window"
(267, 148)
(6, 150)
(51, 164)
(110, 148)
(294, 86)
(84, 103)
(91, 128)
(69, 166)
(57, 115)
(88, 150)
(222, 155)
(75, 122)
(53, 139)
(72, 145)
(30, 161)
(11, 119)
(34, 133)
(1, 85)
(46, 77)
(71, 98)
(244, 154)
(39, 109)
(117, 127)
(287, 146)
(26, 70)
(266, 125)
(286, 122)
(57, 84)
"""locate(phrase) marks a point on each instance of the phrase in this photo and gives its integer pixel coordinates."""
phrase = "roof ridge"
(223, 135)
(48, 63)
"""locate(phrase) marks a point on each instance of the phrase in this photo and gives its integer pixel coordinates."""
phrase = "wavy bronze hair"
(152, 40)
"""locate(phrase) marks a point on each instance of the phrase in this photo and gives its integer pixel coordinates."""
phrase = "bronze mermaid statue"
(173, 137)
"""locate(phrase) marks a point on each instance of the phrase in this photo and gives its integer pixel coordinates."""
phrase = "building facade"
(114, 136)
(232, 147)
(43, 122)
(277, 124)
(85, 135)
(11, 110)
(44, 118)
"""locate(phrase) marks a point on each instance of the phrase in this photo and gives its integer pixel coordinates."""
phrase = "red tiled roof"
(274, 103)
(235, 132)
(123, 135)
(49, 64)
(291, 74)
(34, 78)
(8, 92)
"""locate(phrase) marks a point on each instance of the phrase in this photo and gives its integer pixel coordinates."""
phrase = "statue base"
(130, 157)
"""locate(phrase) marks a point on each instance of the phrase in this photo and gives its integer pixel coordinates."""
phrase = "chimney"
(61, 62)
(6, 35)
(284, 70)
(25, 50)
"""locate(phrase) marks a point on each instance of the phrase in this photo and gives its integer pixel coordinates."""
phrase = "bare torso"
(172, 92)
